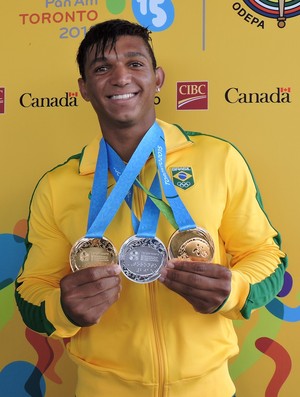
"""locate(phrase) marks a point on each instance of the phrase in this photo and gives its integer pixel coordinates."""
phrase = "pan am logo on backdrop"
(74, 17)
(280, 10)
(192, 95)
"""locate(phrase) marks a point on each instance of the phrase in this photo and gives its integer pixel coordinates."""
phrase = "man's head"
(106, 34)
(119, 75)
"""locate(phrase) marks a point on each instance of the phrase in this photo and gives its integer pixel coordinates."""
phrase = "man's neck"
(125, 140)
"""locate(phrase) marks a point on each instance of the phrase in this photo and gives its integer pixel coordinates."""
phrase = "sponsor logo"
(280, 95)
(192, 95)
(28, 100)
(2, 100)
(183, 177)
(279, 10)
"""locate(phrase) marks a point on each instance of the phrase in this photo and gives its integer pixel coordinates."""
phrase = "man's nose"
(121, 75)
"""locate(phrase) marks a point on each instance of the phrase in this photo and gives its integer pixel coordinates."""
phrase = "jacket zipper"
(155, 322)
(158, 340)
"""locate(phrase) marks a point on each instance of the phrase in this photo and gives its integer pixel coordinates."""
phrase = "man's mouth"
(122, 96)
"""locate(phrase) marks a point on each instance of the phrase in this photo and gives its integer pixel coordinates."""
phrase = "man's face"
(121, 85)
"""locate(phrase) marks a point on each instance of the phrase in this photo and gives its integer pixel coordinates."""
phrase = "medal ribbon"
(102, 209)
(148, 224)
(181, 214)
(116, 167)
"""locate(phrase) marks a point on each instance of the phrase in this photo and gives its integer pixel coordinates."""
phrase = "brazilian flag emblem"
(183, 177)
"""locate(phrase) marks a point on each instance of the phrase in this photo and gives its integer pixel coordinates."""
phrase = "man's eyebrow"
(97, 59)
(135, 54)
(130, 54)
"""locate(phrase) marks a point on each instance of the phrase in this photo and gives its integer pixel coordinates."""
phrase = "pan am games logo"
(74, 17)
(276, 9)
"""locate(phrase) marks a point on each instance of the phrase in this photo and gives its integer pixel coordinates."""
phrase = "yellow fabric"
(152, 342)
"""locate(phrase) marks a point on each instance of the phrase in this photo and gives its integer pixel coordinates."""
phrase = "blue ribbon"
(102, 209)
(181, 214)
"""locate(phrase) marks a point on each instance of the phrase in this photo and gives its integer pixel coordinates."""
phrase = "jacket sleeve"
(46, 263)
(254, 246)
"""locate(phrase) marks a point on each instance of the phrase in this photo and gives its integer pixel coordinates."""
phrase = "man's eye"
(101, 69)
(136, 64)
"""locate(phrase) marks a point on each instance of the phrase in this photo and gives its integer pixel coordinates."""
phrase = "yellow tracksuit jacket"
(152, 343)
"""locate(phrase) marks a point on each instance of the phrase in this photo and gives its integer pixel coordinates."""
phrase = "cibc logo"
(192, 95)
(2, 100)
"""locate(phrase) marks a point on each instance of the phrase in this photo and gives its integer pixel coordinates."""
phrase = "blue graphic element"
(22, 379)
(13, 251)
(156, 15)
(287, 285)
(182, 176)
(283, 312)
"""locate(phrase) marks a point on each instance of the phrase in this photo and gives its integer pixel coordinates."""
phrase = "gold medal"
(88, 252)
(193, 244)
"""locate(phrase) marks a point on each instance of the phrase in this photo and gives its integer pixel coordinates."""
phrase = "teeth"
(124, 96)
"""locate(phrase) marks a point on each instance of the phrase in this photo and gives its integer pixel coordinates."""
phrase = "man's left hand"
(204, 285)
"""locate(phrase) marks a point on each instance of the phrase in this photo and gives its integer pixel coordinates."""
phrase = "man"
(172, 336)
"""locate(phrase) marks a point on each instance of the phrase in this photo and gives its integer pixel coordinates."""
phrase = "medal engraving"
(194, 244)
(141, 259)
(88, 252)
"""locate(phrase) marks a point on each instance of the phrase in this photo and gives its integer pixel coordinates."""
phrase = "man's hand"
(204, 285)
(88, 293)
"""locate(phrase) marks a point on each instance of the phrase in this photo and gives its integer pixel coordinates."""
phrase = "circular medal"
(194, 244)
(142, 258)
(87, 252)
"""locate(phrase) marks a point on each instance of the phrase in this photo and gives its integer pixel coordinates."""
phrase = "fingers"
(88, 293)
(195, 275)
(88, 311)
(198, 267)
(92, 280)
(91, 274)
(204, 285)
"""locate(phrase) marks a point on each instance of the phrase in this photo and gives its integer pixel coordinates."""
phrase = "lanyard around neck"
(102, 209)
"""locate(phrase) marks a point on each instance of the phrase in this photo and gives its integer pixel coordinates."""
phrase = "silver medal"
(142, 258)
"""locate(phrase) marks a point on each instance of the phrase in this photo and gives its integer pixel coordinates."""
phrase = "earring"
(157, 89)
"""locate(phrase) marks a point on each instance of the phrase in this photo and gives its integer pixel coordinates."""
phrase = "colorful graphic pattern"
(49, 351)
(23, 378)
(280, 9)
(275, 9)
(283, 364)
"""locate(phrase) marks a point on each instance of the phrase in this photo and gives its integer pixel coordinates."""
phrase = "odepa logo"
(275, 9)
(192, 95)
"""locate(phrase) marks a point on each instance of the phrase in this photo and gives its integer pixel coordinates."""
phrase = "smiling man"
(144, 277)
(121, 84)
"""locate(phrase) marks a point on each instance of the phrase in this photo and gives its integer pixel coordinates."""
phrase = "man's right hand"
(88, 293)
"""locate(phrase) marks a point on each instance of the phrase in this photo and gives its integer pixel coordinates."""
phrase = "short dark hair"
(107, 33)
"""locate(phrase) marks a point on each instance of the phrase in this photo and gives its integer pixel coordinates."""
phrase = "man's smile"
(122, 96)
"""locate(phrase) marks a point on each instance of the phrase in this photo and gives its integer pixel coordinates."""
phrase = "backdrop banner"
(231, 71)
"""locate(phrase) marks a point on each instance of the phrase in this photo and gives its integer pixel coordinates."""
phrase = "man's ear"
(83, 89)
(160, 77)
